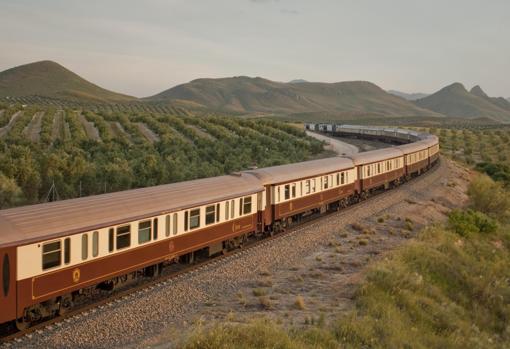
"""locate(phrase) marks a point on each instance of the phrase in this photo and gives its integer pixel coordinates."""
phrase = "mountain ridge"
(50, 79)
(258, 95)
(455, 100)
(408, 96)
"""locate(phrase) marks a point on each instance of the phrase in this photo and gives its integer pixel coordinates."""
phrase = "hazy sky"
(144, 47)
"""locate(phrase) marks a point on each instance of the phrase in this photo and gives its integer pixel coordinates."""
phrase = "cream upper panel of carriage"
(381, 167)
(416, 157)
(434, 149)
(71, 251)
(310, 186)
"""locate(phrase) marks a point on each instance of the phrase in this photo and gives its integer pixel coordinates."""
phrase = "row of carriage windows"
(120, 238)
(381, 167)
(309, 186)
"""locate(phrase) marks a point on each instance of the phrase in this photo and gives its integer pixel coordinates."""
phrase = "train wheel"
(66, 304)
(22, 324)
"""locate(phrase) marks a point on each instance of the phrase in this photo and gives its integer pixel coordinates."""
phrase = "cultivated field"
(89, 151)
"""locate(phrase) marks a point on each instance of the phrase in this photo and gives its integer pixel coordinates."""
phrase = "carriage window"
(279, 197)
(84, 247)
(247, 205)
(293, 190)
(110, 240)
(186, 220)
(175, 223)
(67, 250)
(123, 237)
(378, 167)
(194, 218)
(232, 208)
(368, 171)
(51, 255)
(155, 228)
(210, 214)
(326, 182)
(287, 192)
(342, 178)
(307, 186)
(227, 210)
(217, 212)
(144, 232)
(167, 225)
(338, 178)
(95, 244)
(313, 185)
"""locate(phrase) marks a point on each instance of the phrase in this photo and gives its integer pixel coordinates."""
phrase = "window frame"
(67, 251)
(247, 203)
(95, 243)
(45, 253)
(194, 213)
(122, 234)
(146, 229)
(210, 214)
(84, 247)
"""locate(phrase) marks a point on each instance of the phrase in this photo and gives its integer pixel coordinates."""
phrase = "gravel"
(172, 305)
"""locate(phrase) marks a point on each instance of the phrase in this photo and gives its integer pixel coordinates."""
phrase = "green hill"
(257, 95)
(455, 100)
(499, 101)
(50, 79)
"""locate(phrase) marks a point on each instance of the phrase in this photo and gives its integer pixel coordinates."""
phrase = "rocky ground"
(304, 277)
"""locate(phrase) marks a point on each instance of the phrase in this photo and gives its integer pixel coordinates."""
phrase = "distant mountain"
(455, 100)
(297, 81)
(408, 96)
(499, 101)
(257, 95)
(50, 79)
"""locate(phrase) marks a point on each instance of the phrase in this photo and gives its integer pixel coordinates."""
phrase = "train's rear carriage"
(67, 246)
(379, 168)
(7, 278)
(297, 189)
(416, 157)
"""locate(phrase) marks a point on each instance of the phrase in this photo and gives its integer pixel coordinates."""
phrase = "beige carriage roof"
(45, 221)
(430, 140)
(376, 155)
(413, 147)
(291, 172)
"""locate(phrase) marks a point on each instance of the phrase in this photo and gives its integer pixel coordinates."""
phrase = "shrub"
(470, 222)
(489, 197)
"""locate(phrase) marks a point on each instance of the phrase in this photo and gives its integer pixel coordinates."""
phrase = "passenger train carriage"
(51, 253)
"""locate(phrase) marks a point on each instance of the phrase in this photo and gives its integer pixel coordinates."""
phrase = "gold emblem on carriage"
(76, 275)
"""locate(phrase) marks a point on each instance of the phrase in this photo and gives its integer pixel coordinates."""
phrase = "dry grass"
(299, 303)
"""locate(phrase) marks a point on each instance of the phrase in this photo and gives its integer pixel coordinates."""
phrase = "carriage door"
(7, 284)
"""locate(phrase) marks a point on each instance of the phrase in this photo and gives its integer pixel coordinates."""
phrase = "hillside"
(257, 95)
(499, 101)
(455, 100)
(50, 79)
(408, 96)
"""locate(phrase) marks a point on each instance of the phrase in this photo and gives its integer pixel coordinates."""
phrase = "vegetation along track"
(91, 333)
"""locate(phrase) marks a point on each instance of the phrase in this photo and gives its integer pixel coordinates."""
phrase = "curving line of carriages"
(53, 253)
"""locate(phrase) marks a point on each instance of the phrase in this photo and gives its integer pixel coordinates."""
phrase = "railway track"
(166, 278)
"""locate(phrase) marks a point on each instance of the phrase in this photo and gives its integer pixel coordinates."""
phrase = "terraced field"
(88, 151)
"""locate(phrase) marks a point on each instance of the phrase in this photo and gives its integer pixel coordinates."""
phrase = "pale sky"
(144, 47)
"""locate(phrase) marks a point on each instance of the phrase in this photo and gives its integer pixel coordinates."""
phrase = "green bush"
(489, 197)
(467, 222)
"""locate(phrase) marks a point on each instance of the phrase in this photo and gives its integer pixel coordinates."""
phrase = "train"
(52, 253)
